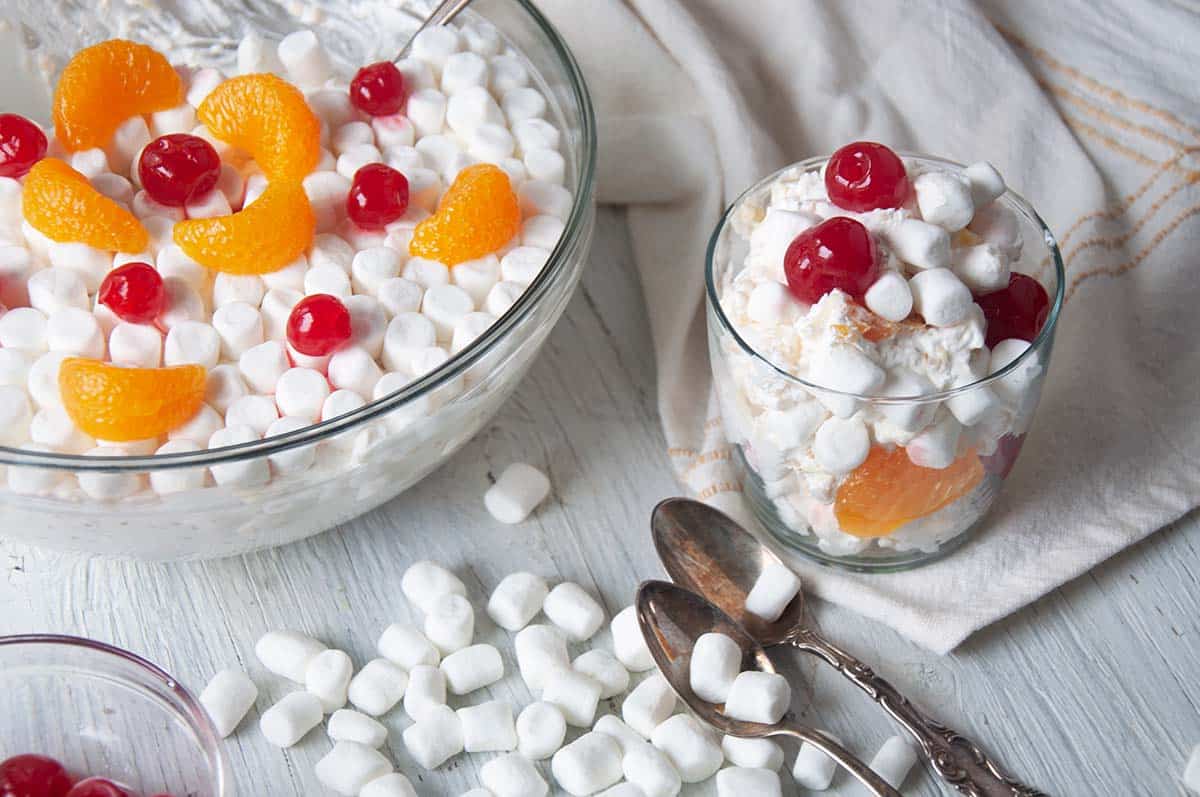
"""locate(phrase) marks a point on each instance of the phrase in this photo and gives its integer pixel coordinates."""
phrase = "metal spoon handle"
(956, 759)
(445, 11)
(827, 745)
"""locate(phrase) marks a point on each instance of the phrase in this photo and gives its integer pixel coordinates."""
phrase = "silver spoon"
(707, 552)
(672, 619)
(445, 11)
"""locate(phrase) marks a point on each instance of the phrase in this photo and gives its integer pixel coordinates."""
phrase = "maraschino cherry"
(178, 168)
(379, 89)
(22, 144)
(837, 253)
(1017, 311)
(318, 325)
(378, 196)
(33, 776)
(866, 176)
(135, 292)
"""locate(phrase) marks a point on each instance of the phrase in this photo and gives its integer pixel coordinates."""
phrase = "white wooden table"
(1090, 691)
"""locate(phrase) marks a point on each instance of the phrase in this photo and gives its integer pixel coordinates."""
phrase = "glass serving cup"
(358, 460)
(795, 500)
(105, 712)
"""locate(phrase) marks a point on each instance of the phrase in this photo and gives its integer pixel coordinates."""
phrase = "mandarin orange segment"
(109, 402)
(105, 84)
(888, 490)
(269, 118)
(263, 237)
(478, 215)
(60, 203)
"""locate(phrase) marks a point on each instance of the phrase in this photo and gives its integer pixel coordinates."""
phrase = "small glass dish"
(800, 506)
(105, 712)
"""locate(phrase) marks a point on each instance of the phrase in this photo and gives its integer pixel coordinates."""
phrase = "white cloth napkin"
(1088, 107)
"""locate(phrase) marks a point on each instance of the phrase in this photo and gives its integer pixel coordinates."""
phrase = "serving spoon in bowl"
(709, 553)
(442, 14)
(672, 619)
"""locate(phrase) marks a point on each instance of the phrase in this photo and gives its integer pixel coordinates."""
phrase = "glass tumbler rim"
(1012, 199)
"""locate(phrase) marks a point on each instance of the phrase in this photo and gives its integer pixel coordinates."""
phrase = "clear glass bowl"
(365, 457)
(796, 503)
(105, 712)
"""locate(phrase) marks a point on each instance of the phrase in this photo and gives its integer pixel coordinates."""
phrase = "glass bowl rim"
(1010, 197)
(575, 227)
(210, 740)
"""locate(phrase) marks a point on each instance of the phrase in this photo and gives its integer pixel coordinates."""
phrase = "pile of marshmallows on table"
(651, 746)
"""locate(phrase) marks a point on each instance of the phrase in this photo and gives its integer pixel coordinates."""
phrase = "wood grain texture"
(1088, 691)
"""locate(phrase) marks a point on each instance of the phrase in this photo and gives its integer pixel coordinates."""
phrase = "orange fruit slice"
(105, 84)
(271, 232)
(269, 118)
(113, 403)
(61, 204)
(888, 490)
(478, 215)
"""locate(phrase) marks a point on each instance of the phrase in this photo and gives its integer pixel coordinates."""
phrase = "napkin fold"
(1088, 108)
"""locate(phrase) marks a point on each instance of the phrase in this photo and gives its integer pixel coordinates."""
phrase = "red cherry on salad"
(98, 787)
(22, 144)
(1018, 311)
(378, 196)
(33, 776)
(318, 325)
(135, 292)
(837, 253)
(178, 168)
(379, 89)
(865, 176)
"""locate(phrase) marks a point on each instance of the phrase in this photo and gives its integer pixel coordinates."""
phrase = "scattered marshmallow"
(304, 58)
(328, 677)
(940, 297)
(590, 763)
(651, 770)
(894, 760)
(516, 493)
(944, 199)
(758, 697)
(541, 650)
(648, 705)
(739, 781)
(626, 738)
(841, 444)
(377, 687)
(434, 738)
(628, 642)
(813, 769)
(471, 668)
(752, 753)
(393, 784)
(512, 775)
(889, 297)
(774, 589)
(450, 623)
(920, 244)
(287, 653)
(716, 661)
(575, 694)
(426, 690)
(516, 600)
(407, 646)
(424, 582)
(287, 722)
(350, 766)
(690, 746)
(348, 725)
(541, 729)
(982, 268)
(603, 667)
(572, 609)
(986, 183)
(488, 727)
(227, 698)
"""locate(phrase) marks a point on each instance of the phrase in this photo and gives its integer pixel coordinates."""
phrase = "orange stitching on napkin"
(1114, 271)
(682, 452)
(1111, 142)
(1103, 115)
(1112, 242)
(708, 457)
(720, 487)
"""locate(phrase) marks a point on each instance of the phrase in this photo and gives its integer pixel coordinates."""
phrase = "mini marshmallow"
(463, 70)
(813, 769)
(468, 329)
(301, 392)
(356, 157)
(339, 403)
(911, 416)
(23, 328)
(508, 73)
(209, 206)
(894, 760)
(262, 365)
(14, 370)
(627, 738)
(482, 38)
(758, 697)
(691, 747)
(523, 264)
(304, 58)
(328, 677)
(1017, 383)
(982, 268)
(590, 763)
(16, 263)
(450, 623)
(348, 725)
(353, 368)
(377, 687)
(434, 45)
(511, 775)
(491, 143)
(937, 445)
(516, 600)
(986, 183)
(73, 330)
(770, 303)
(192, 342)
(522, 103)
(146, 208)
(371, 267)
(229, 288)
(255, 412)
(393, 784)
(424, 582)
(628, 642)
(407, 647)
(516, 493)
(43, 379)
(327, 279)
(471, 668)
(254, 54)
(944, 199)
(622, 789)
(972, 406)
(477, 277)
(426, 690)
(327, 191)
(844, 368)
(287, 722)
(404, 159)
(292, 460)
(126, 142)
(752, 753)
(546, 165)
(224, 386)
(245, 473)
(920, 244)
(351, 134)
(417, 73)
(52, 427)
(399, 295)
(541, 729)
(90, 264)
(740, 781)
(538, 134)
(648, 705)
(426, 273)
(172, 261)
(999, 226)
(541, 650)
(889, 297)
(542, 231)
(256, 184)
(90, 162)
(287, 653)
(331, 250)
(199, 428)
(435, 738)
(573, 610)
(227, 698)
(239, 326)
(940, 297)
(426, 109)
(53, 289)
(575, 694)
(516, 171)
(651, 770)
(488, 727)
(276, 307)
(29, 481)
(350, 766)
(393, 132)
(603, 667)
(716, 661)
(470, 108)
(539, 198)
(115, 187)
(774, 589)
(109, 486)
(333, 106)
(445, 306)
(502, 296)
(841, 444)
(184, 303)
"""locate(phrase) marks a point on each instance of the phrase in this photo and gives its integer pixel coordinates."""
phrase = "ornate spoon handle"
(956, 759)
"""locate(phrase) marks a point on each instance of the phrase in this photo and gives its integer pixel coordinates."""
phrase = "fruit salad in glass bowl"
(880, 326)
